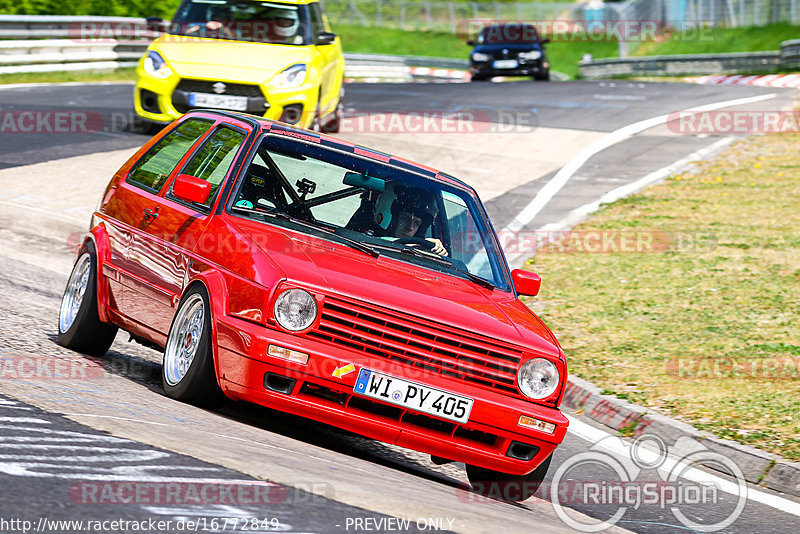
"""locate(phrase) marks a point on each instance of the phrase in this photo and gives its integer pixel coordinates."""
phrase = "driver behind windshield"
(404, 212)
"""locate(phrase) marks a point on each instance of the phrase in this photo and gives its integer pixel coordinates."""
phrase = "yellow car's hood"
(192, 57)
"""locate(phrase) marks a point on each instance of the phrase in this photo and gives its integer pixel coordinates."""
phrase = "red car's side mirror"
(191, 189)
(526, 282)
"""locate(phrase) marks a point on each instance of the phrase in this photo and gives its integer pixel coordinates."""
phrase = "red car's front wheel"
(187, 372)
(504, 486)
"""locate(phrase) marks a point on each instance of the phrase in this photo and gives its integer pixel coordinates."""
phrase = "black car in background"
(508, 50)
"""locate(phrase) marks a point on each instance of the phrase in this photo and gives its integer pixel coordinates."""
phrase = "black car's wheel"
(79, 326)
(545, 76)
(514, 488)
(187, 372)
(479, 78)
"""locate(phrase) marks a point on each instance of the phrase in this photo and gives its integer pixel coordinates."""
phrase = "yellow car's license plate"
(206, 100)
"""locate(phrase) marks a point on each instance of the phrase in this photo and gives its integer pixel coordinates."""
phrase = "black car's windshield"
(508, 34)
(242, 20)
(369, 205)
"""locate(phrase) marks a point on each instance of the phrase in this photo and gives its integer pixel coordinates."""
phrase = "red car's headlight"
(295, 309)
(538, 378)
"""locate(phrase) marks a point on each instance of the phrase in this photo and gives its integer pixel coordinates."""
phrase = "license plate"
(238, 103)
(505, 64)
(414, 396)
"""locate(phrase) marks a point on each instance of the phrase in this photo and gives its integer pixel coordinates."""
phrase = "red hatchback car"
(324, 279)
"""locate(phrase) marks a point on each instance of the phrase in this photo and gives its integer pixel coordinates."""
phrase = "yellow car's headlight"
(290, 77)
(155, 65)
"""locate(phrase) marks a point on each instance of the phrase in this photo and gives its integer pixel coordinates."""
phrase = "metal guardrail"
(49, 55)
(53, 55)
(790, 54)
(35, 43)
(682, 64)
(788, 57)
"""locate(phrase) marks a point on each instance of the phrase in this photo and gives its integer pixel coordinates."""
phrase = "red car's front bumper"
(312, 390)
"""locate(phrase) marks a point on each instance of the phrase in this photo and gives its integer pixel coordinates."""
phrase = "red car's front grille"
(425, 345)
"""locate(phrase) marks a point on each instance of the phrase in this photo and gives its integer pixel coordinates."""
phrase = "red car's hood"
(401, 286)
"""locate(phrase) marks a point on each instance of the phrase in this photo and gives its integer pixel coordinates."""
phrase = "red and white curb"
(767, 80)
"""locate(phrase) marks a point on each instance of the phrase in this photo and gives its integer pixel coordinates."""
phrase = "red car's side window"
(214, 159)
(152, 171)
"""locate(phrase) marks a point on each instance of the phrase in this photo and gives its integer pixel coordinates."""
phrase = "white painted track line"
(566, 172)
(597, 436)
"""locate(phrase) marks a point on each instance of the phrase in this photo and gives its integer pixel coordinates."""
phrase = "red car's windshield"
(372, 203)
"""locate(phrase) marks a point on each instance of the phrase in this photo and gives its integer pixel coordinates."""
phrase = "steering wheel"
(421, 241)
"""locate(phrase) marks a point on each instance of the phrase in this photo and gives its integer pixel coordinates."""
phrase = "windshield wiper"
(417, 253)
(475, 278)
(316, 226)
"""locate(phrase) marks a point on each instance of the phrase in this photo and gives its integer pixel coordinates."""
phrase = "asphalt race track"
(68, 445)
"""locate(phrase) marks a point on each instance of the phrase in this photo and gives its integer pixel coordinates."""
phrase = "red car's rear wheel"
(79, 326)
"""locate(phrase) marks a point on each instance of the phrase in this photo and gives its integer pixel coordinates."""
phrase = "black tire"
(479, 78)
(334, 123)
(197, 383)
(316, 122)
(542, 77)
(143, 127)
(79, 325)
(514, 488)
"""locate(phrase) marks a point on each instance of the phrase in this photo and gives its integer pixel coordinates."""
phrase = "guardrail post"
(428, 15)
(741, 13)
(452, 11)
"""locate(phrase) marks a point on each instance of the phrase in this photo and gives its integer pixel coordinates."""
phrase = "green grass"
(359, 39)
(719, 40)
(705, 324)
(118, 75)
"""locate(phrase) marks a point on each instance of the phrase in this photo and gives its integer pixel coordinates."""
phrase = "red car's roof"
(300, 134)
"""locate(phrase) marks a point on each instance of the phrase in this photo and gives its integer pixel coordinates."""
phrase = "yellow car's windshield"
(243, 20)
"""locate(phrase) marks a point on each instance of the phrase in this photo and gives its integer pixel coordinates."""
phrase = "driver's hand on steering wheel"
(438, 247)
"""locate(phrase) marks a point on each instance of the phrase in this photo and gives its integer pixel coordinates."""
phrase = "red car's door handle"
(150, 214)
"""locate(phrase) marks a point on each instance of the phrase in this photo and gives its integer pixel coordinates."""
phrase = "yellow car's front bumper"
(162, 101)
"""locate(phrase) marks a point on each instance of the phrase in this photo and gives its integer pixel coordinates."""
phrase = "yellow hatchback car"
(279, 60)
